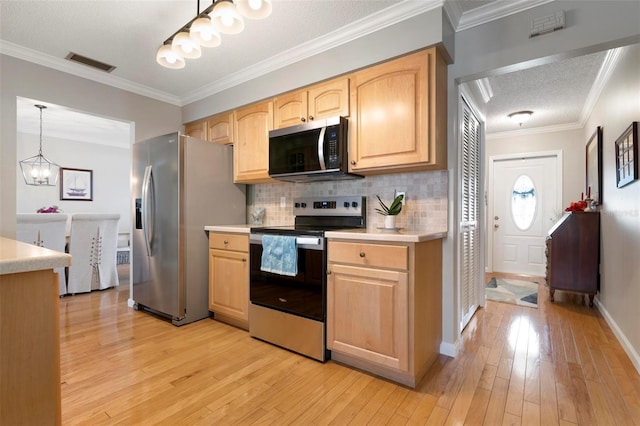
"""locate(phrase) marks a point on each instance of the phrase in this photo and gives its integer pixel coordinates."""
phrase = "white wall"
(619, 298)
(111, 168)
(28, 80)
(570, 142)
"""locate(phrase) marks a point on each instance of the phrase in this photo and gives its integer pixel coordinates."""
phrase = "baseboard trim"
(449, 349)
(624, 342)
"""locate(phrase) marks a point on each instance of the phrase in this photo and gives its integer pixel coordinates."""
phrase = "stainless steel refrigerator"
(179, 185)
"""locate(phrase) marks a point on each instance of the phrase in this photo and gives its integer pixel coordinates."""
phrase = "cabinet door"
(367, 314)
(393, 121)
(290, 109)
(251, 147)
(220, 128)
(196, 130)
(229, 284)
(329, 99)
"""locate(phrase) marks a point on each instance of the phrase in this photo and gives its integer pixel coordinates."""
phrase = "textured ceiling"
(127, 34)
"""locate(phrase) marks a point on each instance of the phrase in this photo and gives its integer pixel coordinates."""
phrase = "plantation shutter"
(469, 260)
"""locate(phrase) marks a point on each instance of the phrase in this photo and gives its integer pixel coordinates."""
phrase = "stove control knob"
(354, 204)
(296, 205)
(346, 204)
(303, 205)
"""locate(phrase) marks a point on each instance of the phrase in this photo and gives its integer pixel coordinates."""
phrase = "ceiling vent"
(90, 62)
(547, 24)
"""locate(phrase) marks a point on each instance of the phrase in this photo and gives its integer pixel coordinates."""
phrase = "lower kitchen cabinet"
(384, 306)
(229, 278)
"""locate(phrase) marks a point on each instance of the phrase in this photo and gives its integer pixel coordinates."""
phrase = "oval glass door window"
(523, 202)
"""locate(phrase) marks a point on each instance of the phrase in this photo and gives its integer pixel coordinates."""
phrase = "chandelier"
(38, 170)
(223, 16)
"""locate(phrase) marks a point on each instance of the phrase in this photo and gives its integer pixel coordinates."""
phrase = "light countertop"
(16, 257)
(237, 229)
(377, 234)
(371, 234)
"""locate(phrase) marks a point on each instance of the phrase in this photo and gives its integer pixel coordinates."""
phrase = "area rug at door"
(508, 290)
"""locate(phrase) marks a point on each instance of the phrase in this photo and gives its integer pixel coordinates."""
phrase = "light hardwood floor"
(559, 364)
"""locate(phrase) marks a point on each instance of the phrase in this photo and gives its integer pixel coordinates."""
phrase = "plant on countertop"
(392, 210)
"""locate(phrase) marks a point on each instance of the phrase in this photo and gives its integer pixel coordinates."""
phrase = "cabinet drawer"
(378, 255)
(233, 242)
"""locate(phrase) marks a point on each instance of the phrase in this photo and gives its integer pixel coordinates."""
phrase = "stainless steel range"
(290, 310)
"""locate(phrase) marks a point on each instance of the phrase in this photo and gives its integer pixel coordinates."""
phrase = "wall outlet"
(283, 201)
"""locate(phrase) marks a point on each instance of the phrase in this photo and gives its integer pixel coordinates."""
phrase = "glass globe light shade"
(169, 57)
(204, 32)
(254, 9)
(188, 48)
(226, 18)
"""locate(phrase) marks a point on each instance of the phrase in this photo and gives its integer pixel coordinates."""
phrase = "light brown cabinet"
(251, 146)
(229, 278)
(399, 115)
(197, 129)
(220, 128)
(384, 306)
(323, 100)
(30, 341)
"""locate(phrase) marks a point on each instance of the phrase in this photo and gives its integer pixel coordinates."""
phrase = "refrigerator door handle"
(148, 206)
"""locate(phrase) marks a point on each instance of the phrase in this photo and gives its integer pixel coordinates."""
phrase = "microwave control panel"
(332, 143)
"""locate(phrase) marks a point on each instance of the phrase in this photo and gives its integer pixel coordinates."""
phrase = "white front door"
(526, 199)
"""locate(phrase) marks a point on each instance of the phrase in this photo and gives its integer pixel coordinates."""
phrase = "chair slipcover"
(45, 230)
(92, 246)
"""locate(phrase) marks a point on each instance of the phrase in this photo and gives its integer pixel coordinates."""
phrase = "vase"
(390, 222)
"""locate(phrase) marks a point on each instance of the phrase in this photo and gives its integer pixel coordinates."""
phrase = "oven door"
(304, 294)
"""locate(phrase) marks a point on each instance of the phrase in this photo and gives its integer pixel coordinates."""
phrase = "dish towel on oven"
(279, 255)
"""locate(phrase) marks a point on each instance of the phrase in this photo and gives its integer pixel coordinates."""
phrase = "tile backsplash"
(425, 207)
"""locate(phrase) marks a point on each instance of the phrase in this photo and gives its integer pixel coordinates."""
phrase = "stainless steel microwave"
(313, 151)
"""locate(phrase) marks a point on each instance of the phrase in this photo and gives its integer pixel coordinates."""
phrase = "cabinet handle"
(311, 118)
(244, 259)
(303, 119)
(225, 242)
(328, 272)
(361, 254)
(353, 163)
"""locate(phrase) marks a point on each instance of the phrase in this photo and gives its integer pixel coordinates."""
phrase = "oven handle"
(309, 243)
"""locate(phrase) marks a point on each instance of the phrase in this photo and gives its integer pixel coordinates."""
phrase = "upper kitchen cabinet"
(323, 100)
(251, 146)
(197, 129)
(399, 115)
(220, 128)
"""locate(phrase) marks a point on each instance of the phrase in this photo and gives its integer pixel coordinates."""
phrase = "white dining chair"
(45, 230)
(92, 245)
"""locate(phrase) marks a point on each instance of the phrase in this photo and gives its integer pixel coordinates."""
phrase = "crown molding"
(492, 11)
(39, 58)
(608, 65)
(370, 24)
(535, 131)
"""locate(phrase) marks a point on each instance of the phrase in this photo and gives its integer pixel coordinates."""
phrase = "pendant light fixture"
(223, 16)
(38, 170)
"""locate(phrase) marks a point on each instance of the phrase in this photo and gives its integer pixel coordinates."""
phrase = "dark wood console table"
(573, 254)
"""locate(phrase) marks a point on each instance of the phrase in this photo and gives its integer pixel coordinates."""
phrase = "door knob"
(496, 226)
(496, 217)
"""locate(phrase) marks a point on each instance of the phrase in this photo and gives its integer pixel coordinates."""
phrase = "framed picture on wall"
(76, 184)
(627, 156)
(593, 187)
